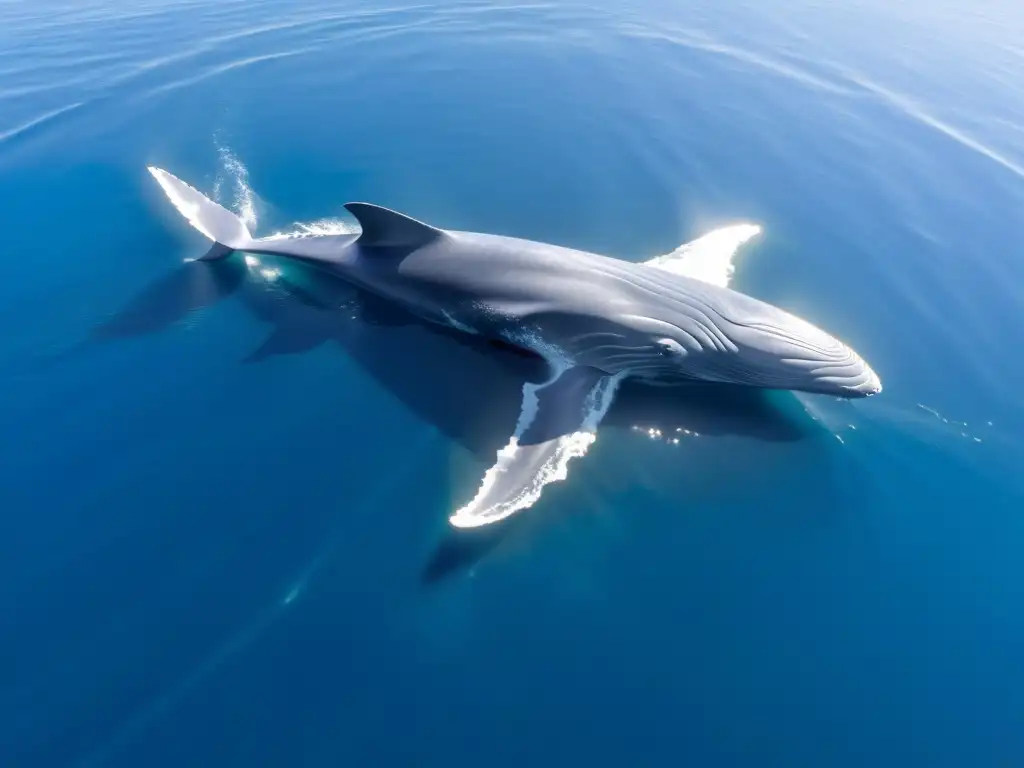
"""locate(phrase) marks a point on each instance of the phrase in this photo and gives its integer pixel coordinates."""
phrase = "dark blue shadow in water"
(468, 388)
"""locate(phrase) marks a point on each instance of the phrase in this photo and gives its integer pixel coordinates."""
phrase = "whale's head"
(728, 337)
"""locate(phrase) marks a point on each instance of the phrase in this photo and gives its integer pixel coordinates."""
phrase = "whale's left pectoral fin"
(710, 257)
(557, 423)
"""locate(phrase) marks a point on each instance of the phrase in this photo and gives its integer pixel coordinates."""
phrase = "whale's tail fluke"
(227, 231)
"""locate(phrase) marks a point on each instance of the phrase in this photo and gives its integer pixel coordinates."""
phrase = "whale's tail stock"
(227, 231)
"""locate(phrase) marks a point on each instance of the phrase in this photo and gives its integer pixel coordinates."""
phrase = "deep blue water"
(224, 499)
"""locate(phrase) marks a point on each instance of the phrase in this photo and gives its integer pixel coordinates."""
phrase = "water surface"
(225, 491)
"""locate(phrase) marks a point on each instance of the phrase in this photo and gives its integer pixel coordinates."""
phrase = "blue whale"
(595, 320)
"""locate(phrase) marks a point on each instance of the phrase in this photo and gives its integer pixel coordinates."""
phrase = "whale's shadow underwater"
(307, 309)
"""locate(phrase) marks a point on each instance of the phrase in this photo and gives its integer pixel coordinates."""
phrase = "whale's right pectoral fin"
(558, 422)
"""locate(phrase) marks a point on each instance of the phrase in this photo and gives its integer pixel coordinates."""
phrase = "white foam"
(328, 227)
(557, 358)
(457, 324)
(318, 228)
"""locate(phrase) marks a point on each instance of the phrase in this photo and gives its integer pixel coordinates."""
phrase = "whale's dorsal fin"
(382, 227)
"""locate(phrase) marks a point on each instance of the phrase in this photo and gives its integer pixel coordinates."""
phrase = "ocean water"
(225, 488)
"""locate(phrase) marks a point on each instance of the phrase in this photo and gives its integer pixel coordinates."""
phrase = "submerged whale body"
(596, 321)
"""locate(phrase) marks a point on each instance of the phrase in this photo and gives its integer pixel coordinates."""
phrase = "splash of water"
(234, 173)
(242, 199)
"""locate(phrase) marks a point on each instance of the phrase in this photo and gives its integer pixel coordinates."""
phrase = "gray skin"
(595, 319)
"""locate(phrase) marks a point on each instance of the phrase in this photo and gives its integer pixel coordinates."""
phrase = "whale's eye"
(670, 348)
